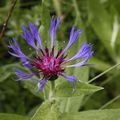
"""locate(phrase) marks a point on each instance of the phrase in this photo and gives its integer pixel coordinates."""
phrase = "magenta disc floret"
(48, 64)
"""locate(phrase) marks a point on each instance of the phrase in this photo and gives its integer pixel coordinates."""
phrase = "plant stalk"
(52, 91)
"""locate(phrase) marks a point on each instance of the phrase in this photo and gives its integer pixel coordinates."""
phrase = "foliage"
(100, 21)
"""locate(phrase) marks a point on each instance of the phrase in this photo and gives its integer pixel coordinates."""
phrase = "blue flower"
(45, 62)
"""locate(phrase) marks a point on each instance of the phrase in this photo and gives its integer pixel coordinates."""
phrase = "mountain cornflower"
(46, 63)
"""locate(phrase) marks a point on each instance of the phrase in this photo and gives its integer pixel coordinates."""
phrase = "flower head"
(47, 64)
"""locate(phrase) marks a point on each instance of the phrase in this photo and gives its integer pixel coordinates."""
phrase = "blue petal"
(15, 47)
(53, 28)
(23, 76)
(18, 53)
(83, 63)
(26, 63)
(16, 44)
(29, 38)
(35, 33)
(73, 38)
(42, 84)
(71, 79)
(16, 50)
(84, 51)
(13, 54)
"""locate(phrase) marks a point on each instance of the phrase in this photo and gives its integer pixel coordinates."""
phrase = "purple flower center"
(48, 64)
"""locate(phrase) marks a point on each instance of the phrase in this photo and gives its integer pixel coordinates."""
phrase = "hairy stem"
(52, 91)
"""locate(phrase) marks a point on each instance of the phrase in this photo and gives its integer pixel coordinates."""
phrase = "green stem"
(52, 91)
(109, 69)
(45, 97)
(110, 102)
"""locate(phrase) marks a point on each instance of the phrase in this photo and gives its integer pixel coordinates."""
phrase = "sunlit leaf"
(46, 111)
(66, 90)
(108, 114)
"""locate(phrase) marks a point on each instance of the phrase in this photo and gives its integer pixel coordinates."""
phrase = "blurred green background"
(100, 22)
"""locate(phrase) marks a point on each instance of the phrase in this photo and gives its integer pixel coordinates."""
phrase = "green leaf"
(5, 116)
(31, 85)
(99, 64)
(66, 90)
(108, 114)
(70, 104)
(101, 23)
(8, 70)
(45, 25)
(47, 111)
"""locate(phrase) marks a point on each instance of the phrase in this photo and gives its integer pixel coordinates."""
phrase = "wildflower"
(47, 64)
